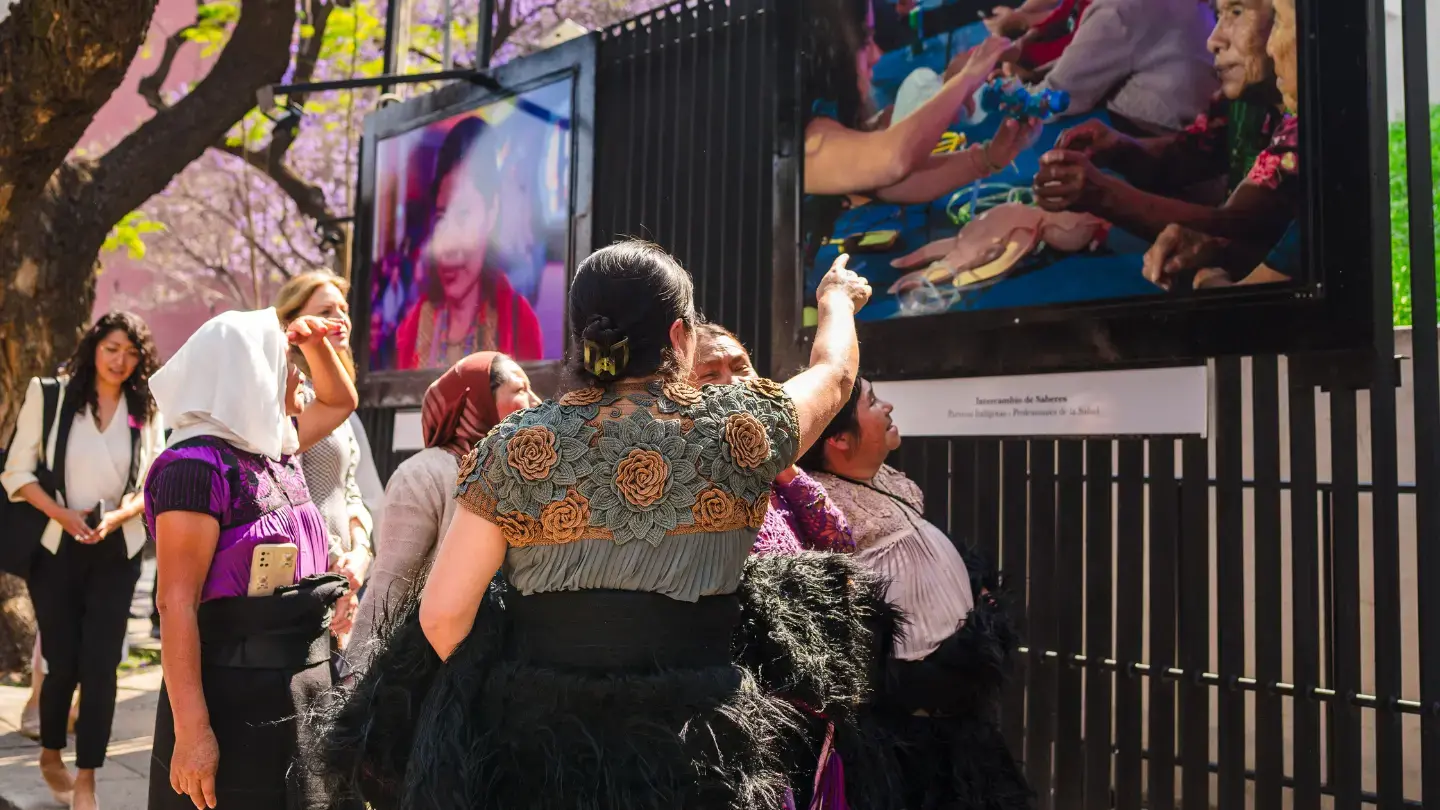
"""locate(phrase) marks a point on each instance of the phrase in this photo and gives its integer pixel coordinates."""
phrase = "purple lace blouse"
(801, 518)
(255, 500)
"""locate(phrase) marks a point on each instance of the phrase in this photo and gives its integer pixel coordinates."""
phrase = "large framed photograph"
(1080, 183)
(474, 206)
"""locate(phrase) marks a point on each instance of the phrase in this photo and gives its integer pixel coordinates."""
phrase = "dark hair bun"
(623, 300)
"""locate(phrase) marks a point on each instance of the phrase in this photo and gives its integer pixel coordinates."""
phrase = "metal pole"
(392, 33)
(485, 44)
(447, 59)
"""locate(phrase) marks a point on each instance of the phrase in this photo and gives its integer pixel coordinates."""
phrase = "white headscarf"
(228, 381)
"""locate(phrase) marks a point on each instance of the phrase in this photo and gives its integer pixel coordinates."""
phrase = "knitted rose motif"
(755, 512)
(583, 396)
(767, 388)
(748, 442)
(467, 466)
(645, 478)
(681, 393)
(641, 476)
(531, 451)
(565, 520)
(716, 511)
(519, 529)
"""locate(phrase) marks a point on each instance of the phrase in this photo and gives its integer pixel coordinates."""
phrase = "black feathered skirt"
(608, 701)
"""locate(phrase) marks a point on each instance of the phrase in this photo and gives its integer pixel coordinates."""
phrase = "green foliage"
(212, 25)
(1400, 210)
(129, 233)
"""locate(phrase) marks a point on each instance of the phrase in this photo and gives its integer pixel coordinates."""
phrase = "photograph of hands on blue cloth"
(1059, 151)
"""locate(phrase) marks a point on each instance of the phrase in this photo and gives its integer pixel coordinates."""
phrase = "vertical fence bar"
(1164, 521)
(1345, 584)
(937, 484)
(1070, 625)
(709, 23)
(965, 502)
(1230, 575)
(646, 135)
(1040, 696)
(1269, 662)
(1427, 377)
(986, 454)
(726, 204)
(662, 55)
(1305, 596)
(760, 265)
(1014, 561)
(1193, 582)
(1129, 622)
(744, 171)
(1099, 595)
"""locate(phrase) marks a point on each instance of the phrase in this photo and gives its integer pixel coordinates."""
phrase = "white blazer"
(25, 456)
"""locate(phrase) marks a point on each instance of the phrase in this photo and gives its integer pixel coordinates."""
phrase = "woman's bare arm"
(335, 397)
(469, 556)
(840, 160)
(820, 391)
(185, 546)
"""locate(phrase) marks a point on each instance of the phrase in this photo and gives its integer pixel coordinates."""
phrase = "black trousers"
(82, 603)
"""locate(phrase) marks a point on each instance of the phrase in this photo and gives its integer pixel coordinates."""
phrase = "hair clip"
(602, 360)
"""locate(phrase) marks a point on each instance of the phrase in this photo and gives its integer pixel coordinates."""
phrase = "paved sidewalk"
(124, 781)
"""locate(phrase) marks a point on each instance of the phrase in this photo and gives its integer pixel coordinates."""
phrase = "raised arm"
(335, 397)
(469, 556)
(185, 545)
(820, 391)
(840, 160)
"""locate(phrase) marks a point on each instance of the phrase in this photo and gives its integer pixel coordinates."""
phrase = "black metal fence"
(1238, 621)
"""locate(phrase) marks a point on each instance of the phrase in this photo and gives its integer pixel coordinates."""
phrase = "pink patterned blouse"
(802, 518)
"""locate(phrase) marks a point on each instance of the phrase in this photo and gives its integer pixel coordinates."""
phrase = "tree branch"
(60, 61)
(143, 164)
(150, 87)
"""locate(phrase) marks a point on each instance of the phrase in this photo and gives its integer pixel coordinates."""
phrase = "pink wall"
(172, 322)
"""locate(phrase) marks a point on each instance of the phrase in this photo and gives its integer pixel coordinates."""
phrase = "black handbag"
(21, 524)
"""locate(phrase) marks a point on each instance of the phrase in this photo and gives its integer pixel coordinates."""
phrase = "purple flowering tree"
(219, 200)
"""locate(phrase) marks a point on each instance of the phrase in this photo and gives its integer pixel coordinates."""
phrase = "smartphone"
(92, 518)
(272, 566)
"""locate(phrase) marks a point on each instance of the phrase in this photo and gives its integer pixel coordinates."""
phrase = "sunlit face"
(721, 360)
(460, 236)
(1242, 31)
(328, 302)
(514, 393)
(874, 436)
(1281, 48)
(877, 431)
(293, 405)
(116, 357)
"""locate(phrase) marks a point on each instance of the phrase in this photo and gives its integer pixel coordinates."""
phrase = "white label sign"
(408, 433)
(1142, 402)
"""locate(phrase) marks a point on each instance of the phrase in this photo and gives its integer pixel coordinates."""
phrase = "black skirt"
(265, 665)
(605, 700)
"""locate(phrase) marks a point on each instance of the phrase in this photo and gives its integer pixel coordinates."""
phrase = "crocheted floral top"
(644, 485)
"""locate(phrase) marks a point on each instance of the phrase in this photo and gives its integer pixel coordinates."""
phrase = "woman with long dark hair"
(106, 433)
(469, 304)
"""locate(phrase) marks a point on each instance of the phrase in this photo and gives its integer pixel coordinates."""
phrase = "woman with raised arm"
(599, 672)
(230, 485)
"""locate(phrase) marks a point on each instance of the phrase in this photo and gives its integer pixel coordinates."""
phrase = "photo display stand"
(474, 208)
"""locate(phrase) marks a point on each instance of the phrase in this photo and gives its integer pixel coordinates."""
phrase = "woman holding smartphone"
(105, 435)
(228, 491)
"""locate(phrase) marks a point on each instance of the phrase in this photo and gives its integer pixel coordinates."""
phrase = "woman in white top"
(459, 409)
(106, 433)
(332, 465)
